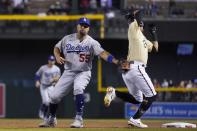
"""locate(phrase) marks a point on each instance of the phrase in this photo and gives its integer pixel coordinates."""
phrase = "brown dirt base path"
(88, 123)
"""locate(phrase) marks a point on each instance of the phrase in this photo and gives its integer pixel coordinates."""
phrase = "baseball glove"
(123, 66)
(153, 31)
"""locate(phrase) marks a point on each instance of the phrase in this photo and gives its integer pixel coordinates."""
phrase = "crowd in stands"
(190, 96)
(59, 8)
(13, 6)
(151, 8)
(169, 8)
(169, 83)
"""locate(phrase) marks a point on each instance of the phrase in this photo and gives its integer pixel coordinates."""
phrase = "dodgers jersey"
(138, 44)
(79, 54)
(47, 73)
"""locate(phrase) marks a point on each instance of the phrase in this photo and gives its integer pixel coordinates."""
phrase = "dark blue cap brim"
(84, 23)
(51, 59)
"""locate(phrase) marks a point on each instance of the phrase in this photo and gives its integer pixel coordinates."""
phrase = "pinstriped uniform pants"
(138, 82)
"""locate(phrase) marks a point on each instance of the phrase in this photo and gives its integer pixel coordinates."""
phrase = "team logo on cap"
(51, 58)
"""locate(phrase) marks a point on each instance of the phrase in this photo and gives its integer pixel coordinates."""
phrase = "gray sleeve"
(97, 48)
(60, 44)
(39, 72)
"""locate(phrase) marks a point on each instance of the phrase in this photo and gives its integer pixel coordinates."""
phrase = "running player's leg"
(80, 83)
(143, 83)
(135, 95)
(63, 86)
(45, 102)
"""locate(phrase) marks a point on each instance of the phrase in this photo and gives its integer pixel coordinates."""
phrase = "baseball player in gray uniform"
(78, 50)
(135, 77)
(46, 77)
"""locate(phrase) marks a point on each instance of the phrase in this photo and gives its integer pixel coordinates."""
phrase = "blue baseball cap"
(51, 58)
(84, 20)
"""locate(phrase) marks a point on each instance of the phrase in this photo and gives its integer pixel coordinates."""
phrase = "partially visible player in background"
(140, 87)
(45, 78)
(79, 50)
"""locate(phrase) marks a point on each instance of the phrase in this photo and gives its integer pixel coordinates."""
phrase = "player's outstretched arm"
(138, 14)
(60, 60)
(108, 57)
(156, 45)
(123, 65)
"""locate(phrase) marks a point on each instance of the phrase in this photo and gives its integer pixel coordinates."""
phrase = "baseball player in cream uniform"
(46, 77)
(79, 50)
(136, 78)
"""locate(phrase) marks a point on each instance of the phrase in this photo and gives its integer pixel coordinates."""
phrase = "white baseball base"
(178, 125)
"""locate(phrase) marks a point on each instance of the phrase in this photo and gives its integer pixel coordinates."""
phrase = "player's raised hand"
(153, 32)
(152, 28)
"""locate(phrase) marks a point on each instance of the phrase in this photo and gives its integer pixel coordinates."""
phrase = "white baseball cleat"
(49, 122)
(136, 123)
(41, 114)
(77, 124)
(44, 124)
(110, 95)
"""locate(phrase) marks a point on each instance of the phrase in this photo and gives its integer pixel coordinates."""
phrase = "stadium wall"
(21, 58)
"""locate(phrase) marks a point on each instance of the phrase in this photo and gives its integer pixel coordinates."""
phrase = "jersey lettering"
(70, 48)
(79, 54)
(47, 74)
(84, 57)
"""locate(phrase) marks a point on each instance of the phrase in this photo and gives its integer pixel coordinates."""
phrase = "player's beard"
(82, 32)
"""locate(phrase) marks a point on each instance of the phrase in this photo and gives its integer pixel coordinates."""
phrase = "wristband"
(110, 58)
